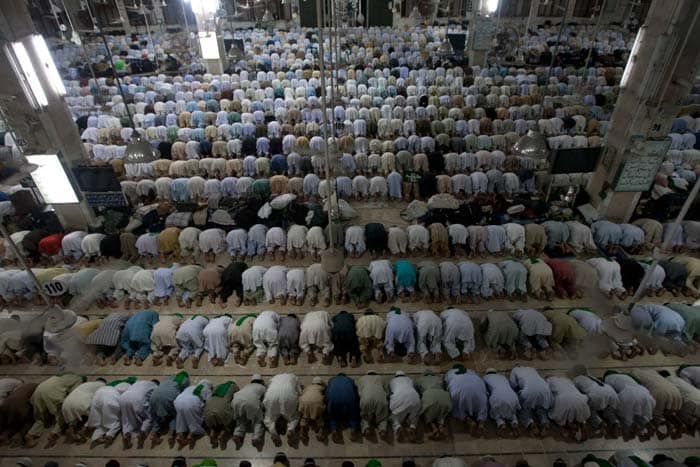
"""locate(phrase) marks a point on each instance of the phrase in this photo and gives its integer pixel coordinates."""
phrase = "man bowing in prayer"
(218, 413)
(105, 413)
(189, 408)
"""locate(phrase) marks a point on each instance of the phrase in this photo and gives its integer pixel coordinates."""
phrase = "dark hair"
(281, 458)
(244, 464)
(112, 463)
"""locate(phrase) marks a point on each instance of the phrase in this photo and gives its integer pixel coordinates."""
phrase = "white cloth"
(105, 413)
(216, 337)
(316, 331)
(189, 408)
(282, 400)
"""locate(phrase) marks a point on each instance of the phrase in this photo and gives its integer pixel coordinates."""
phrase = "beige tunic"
(311, 403)
(370, 326)
(668, 397)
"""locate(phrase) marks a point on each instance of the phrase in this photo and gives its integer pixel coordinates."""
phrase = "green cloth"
(119, 65)
(373, 463)
(240, 320)
(358, 285)
(181, 377)
(198, 390)
(501, 330)
(565, 329)
(129, 380)
(222, 389)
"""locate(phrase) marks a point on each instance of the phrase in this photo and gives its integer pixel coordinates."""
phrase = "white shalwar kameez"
(189, 408)
(147, 245)
(133, 404)
(275, 238)
(105, 414)
(428, 332)
(636, 402)
(404, 402)
(282, 400)
(504, 404)
(570, 405)
(355, 239)
(316, 331)
(216, 337)
(609, 275)
(469, 395)
(71, 244)
(190, 337)
(237, 242)
(296, 283)
(457, 327)
(418, 237)
(274, 282)
(265, 336)
(212, 241)
(382, 276)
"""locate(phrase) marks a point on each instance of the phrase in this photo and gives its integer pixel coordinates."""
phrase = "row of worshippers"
(381, 280)
(291, 50)
(425, 335)
(386, 136)
(394, 186)
(641, 402)
(457, 105)
(557, 237)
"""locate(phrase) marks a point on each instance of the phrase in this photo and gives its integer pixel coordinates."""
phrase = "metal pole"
(20, 258)
(148, 31)
(322, 67)
(82, 46)
(664, 246)
(119, 82)
(595, 33)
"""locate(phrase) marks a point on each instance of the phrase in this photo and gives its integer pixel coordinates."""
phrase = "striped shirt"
(109, 331)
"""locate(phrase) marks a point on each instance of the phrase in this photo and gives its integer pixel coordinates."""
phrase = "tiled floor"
(539, 452)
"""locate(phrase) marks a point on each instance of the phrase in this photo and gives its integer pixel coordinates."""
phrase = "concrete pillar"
(121, 8)
(45, 131)
(476, 57)
(659, 76)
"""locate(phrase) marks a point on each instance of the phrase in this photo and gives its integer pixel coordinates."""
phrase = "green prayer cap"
(240, 320)
(180, 377)
(373, 463)
(222, 389)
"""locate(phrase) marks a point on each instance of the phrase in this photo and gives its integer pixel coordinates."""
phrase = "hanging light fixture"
(533, 145)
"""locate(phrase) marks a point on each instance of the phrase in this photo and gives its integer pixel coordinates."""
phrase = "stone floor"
(539, 452)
